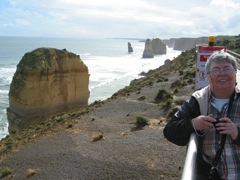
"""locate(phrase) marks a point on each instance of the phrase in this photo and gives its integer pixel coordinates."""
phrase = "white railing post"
(190, 161)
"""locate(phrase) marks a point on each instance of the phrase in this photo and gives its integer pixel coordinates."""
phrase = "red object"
(203, 58)
(210, 49)
(206, 51)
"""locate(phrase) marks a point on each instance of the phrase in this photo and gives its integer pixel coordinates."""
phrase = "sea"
(110, 66)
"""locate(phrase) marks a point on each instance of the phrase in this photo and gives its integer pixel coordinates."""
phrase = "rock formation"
(148, 51)
(158, 47)
(46, 81)
(130, 49)
(167, 62)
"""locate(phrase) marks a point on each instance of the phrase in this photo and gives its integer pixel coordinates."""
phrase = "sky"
(119, 18)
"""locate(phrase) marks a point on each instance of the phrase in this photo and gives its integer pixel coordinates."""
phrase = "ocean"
(110, 66)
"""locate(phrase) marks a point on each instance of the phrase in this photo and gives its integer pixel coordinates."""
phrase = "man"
(212, 112)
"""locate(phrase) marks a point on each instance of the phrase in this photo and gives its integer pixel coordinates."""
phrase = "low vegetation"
(230, 42)
(163, 95)
(5, 172)
(141, 121)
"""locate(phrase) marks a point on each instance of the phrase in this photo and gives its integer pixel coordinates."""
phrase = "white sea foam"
(4, 92)
(3, 124)
(109, 74)
(6, 75)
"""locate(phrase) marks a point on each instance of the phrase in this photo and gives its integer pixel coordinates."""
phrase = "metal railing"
(237, 56)
(190, 161)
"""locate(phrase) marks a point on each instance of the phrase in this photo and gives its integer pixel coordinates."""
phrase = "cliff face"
(46, 81)
(183, 44)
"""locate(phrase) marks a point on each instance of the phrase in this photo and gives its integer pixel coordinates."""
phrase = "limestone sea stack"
(148, 51)
(47, 81)
(158, 47)
(130, 49)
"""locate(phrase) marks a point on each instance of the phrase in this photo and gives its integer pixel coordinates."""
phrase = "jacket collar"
(204, 95)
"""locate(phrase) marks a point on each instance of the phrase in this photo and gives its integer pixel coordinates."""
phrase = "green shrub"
(6, 171)
(175, 91)
(191, 81)
(168, 103)
(160, 79)
(177, 83)
(190, 74)
(9, 143)
(163, 95)
(141, 121)
(142, 98)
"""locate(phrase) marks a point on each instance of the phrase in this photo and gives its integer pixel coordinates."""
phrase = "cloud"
(108, 18)
(225, 4)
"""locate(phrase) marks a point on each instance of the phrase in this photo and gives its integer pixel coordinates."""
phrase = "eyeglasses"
(217, 71)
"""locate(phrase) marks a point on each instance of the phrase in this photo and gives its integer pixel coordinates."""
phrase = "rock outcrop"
(130, 49)
(148, 51)
(46, 81)
(158, 47)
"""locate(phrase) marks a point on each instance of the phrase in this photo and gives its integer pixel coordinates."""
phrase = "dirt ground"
(104, 143)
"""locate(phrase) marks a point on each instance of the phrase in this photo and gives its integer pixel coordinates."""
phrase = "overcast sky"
(119, 18)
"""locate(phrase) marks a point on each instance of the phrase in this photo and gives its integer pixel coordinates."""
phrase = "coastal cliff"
(46, 81)
(104, 141)
(185, 43)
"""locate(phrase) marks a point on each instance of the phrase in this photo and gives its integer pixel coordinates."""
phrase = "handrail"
(190, 161)
(236, 55)
(233, 53)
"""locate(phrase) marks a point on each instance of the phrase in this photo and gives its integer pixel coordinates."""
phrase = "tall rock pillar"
(148, 51)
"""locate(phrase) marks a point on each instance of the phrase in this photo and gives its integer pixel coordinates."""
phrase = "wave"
(4, 91)
(3, 123)
(104, 70)
(6, 75)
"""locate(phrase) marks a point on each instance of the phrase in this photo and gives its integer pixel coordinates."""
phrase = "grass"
(5, 172)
